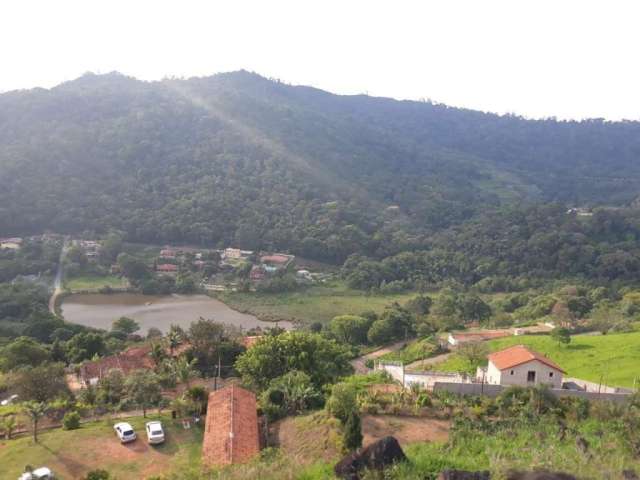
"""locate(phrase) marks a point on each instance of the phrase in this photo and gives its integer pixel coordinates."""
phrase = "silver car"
(155, 433)
(125, 432)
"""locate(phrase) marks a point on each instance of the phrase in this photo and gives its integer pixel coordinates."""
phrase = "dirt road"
(359, 363)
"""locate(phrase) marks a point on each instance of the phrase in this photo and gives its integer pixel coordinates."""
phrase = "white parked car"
(155, 433)
(42, 473)
(125, 432)
(9, 401)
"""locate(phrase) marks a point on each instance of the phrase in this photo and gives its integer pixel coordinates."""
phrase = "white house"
(519, 365)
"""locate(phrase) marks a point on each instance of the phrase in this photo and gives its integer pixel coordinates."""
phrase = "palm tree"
(175, 337)
(185, 370)
(35, 411)
(157, 353)
(9, 425)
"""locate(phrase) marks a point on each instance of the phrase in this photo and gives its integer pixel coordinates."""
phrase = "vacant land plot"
(315, 304)
(71, 454)
(94, 282)
(613, 359)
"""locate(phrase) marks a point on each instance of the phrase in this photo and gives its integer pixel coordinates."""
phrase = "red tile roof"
(517, 355)
(167, 267)
(231, 428)
(132, 359)
(275, 258)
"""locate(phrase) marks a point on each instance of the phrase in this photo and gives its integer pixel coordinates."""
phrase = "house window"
(512, 372)
(531, 376)
(550, 374)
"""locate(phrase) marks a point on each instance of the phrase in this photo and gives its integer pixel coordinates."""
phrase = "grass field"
(315, 304)
(613, 358)
(94, 282)
(71, 454)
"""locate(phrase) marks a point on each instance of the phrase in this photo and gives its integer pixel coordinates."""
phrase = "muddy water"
(100, 310)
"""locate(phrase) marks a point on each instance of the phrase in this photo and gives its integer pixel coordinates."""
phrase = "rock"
(540, 475)
(463, 475)
(376, 456)
(582, 445)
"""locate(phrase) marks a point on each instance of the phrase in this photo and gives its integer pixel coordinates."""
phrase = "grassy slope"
(615, 356)
(315, 304)
(94, 282)
(70, 454)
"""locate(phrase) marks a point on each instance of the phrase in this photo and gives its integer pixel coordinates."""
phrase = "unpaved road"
(359, 363)
(57, 283)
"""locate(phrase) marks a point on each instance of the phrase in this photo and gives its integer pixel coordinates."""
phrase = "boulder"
(540, 475)
(463, 475)
(377, 456)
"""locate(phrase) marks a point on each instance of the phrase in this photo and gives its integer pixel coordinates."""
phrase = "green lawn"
(613, 358)
(71, 454)
(94, 282)
(315, 304)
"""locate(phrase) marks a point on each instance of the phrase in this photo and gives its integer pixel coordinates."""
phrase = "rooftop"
(231, 428)
(517, 355)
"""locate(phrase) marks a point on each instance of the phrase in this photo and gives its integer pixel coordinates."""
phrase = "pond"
(100, 310)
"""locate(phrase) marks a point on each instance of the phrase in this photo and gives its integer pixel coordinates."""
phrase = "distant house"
(257, 273)
(166, 268)
(232, 253)
(519, 365)
(277, 260)
(13, 243)
(168, 253)
(231, 428)
(132, 359)
(456, 339)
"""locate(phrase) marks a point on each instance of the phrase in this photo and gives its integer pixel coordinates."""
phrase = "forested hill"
(239, 159)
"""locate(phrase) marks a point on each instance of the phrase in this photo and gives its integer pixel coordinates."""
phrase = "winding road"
(57, 283)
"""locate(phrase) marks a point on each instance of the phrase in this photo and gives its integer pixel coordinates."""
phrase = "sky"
(560, 58)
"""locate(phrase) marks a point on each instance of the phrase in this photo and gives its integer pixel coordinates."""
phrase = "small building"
(136, 358)
(166, 268)
(13, 243)
(519, 365)
(232, 253)
(257, 273)
(168, 253)
(231, 428)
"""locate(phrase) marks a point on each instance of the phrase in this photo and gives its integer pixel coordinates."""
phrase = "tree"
(21, 352)
(473, 308)
(8, 425)
(143, 389)
(35, 411)
(85, 346)
(185, 370)
(175, 337)
(290, 394)
(561, 335)
(419, 305)
(111, 387)
(132, 267)
(473, 352)
(343, 401)
(323, 360)
(126, 325)
(350, 329)
(352, 437)
(42, 383)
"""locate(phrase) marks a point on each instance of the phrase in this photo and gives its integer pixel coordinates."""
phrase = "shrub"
(353, 432)
(97, 475)
(71, 421)
(342, 402)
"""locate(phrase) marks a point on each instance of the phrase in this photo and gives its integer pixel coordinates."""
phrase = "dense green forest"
(240, 159)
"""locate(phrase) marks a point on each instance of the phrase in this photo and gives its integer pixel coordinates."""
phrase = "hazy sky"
(536, 58)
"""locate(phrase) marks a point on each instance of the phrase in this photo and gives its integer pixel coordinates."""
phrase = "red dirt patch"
(405, 429)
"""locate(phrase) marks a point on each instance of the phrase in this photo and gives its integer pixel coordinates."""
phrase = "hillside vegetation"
(239, 159)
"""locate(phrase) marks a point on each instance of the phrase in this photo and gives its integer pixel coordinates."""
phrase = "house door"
(531, 376)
